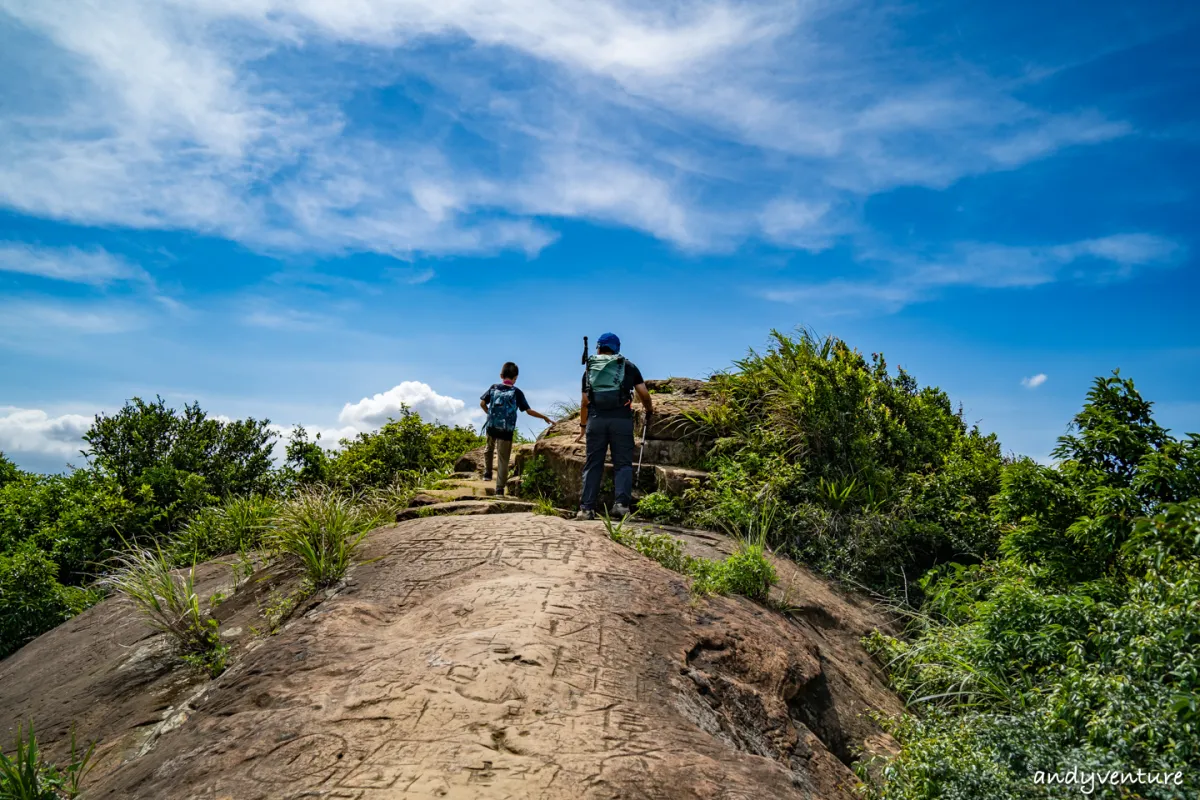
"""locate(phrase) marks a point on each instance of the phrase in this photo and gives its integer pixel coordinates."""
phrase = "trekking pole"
(641, 454)
(584, 359)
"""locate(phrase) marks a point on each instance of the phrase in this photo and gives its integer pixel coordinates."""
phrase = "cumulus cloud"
(372, 412)
(38, 440)
(29, 434)
(1035, 381)
(204, 115)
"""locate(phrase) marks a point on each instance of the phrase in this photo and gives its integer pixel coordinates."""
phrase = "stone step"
(465, 508)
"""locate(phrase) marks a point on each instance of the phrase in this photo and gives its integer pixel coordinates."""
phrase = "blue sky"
(314, 211)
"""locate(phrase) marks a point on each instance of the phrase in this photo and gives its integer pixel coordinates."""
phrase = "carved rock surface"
(502, 656)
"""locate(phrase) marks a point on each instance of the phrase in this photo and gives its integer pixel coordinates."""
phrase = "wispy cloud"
(35, 319)
(1034, 381)
(204, 116)
(94, 267)
(905, 279)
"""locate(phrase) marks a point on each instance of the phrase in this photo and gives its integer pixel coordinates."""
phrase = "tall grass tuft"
(26, 776)
(323, 529)
(170, 603)
(237, 526)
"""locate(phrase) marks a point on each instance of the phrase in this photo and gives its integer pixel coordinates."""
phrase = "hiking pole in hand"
(641, 454)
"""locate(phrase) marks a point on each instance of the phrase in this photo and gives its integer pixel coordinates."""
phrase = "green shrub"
(1082, 638)
(31, 599)
(403, 449)
(171, 605)
(658, 507)
(27, 776)
(880, 479)
(322, 528)
(539, 480)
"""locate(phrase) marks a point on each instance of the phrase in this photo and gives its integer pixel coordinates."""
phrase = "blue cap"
(610, 341)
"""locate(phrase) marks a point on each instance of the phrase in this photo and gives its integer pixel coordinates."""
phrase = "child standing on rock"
(502, 401)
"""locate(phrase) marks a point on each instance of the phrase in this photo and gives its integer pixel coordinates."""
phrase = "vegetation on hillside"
(185, 487)
(875, 479)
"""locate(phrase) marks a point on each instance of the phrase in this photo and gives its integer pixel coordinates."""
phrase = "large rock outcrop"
(505, 656)
(674, 443)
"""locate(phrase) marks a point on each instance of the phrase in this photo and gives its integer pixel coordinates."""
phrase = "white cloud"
(95, 267)
(33, 432)
(41, 441)
(908, 278)
(372, 412)
(1035, 381)
(20, 319)
(229, 117)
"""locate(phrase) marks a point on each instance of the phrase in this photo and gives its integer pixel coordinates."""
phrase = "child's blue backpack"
(502, 409)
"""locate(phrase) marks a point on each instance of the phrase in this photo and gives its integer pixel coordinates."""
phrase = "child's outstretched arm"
(539, 415)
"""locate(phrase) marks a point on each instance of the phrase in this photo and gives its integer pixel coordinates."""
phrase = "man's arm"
(483, 405)
(643, 394)
(583, 416)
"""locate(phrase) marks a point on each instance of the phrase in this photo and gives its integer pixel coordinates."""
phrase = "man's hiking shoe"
(487, 476)
(585, 514)
(499, 493)
(619, 510)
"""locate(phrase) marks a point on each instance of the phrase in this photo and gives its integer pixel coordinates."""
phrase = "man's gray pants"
(604, 433)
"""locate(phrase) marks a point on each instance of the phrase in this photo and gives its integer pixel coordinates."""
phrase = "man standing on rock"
(606, 417)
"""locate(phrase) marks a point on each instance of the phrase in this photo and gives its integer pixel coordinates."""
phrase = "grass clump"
(747, 571)
(236, 526)
(323, 529)
(544, 506)
(170, 603)
(27, 776)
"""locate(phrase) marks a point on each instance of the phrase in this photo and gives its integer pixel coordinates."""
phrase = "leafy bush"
(27, 776)
(658, 507)
(8, 470)
(538, 480)
(32, 601)
(172, 463)
(877, 479)
(1084, 635)
(402, 449)
(170, 604)
(322, 528)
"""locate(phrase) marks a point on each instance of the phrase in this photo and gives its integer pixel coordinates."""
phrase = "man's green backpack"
(605, 374)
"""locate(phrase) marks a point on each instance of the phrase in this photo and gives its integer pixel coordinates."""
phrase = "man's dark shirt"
(522, 405)
(633, 376)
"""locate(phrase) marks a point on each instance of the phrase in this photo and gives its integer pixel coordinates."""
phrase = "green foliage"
(538, 480)
(877, 479)
(74, 518)
(322, 528)
(171, 463)
(27, 776)
(1082, 637)
(403, 447)
(171, 605)
(32, 601)
(8, 470)
(658, 507)
(747, 571)
(544, 507)
(308, 460)
(236, 526)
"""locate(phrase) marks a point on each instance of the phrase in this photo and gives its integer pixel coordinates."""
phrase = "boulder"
(499, 656)
(674, 481)
(472, 461)
(674, 440)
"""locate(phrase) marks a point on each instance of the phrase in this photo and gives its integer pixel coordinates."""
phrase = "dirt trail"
(501, 656)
